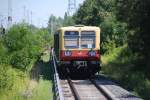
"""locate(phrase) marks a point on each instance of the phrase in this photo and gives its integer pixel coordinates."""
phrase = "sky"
(37, 10)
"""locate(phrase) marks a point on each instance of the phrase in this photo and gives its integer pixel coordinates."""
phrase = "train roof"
(76, 27)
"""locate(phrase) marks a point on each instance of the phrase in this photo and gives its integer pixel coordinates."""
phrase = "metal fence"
(57, 86)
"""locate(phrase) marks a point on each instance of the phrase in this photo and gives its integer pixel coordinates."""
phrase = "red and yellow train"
(77, 48)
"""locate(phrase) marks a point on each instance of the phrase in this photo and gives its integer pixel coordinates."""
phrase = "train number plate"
(80, 63)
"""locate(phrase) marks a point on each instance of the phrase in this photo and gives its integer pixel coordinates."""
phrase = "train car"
(77, 49)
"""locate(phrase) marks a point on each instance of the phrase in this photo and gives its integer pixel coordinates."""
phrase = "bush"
(7, 77)
(144, 89)
(20, 48)
(25, 46)
(120, 64)
(21, 60)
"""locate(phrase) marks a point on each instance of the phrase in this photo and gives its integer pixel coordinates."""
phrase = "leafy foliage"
(7, 76)
(24, 46)
(102, 13)
(120, 65)
(56, 22)
(20, 48)
(3, 52)
(137, 14)
(68, 20)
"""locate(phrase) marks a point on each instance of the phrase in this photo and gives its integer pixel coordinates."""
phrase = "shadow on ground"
(42, 69)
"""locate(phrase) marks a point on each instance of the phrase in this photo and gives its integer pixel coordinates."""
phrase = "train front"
(80, 50)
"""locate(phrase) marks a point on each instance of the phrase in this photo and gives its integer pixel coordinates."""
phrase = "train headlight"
(67, 53)
(92, 53)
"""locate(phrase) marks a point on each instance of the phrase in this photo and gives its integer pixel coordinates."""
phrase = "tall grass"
(25, 88)
(43, 90)
(16, 92)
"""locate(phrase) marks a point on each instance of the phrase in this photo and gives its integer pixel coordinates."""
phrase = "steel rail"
(73, 89)
(104, 91)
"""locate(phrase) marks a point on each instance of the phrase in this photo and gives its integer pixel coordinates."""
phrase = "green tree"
(137, 14)
(103, 14)
(25, 46)
(54, 23)
(68, 20)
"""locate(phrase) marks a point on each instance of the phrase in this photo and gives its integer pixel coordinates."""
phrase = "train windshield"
(71, 39)
(88, 39)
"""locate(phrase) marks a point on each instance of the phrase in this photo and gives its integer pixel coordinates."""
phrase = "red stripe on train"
(79, 55)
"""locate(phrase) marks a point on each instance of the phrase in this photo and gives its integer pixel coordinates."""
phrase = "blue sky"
(41, 10)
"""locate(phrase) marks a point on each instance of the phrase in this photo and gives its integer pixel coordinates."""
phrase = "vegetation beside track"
(21, 47)
(43, 89)
(120, 64)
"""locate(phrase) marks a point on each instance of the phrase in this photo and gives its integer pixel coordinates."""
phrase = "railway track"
(81, 90)
(92, 89)
(96, 88)
(87, 90)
